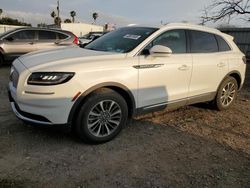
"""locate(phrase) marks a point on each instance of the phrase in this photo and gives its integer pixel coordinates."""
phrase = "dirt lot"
(194, 146)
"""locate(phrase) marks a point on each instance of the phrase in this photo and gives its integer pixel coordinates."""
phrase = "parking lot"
(194, 146)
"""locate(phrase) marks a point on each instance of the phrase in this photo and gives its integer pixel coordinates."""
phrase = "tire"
(101, 117)
(226, 94)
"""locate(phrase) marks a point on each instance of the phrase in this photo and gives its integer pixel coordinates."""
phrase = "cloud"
(111, 18)
(29, 17)
(52, 6)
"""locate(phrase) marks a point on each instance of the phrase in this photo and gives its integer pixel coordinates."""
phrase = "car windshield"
(122, 40)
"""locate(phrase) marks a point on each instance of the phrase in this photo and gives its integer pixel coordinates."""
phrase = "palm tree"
(73, 14)
(1, 11)
(95, 16)
(53, 14)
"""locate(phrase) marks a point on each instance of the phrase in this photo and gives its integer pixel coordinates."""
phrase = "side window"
(174, 39)
(223, 46)
(23, 35)
(202, 42)
(46, 35)
(62, 36)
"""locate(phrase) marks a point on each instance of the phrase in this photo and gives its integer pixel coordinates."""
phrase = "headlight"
(49, 78)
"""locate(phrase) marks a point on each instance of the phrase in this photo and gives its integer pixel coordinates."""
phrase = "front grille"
(14, 76)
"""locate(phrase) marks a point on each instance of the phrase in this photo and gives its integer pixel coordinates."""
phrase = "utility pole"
(58, 9)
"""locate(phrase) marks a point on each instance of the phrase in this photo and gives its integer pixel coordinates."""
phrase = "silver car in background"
(24, 40)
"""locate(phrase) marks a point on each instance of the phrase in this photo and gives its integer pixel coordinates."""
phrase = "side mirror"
(160, 51)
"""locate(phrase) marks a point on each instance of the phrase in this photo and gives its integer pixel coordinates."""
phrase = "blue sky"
(110, 11)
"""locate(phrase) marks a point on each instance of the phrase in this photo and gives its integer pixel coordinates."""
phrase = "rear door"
(46, 40)
(209, 65)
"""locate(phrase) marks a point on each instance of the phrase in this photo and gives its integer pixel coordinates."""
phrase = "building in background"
(241, 38)
(4, 28)
(80, 29)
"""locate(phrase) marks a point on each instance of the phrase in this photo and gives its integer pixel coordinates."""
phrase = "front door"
(165, 80)
(19, 43)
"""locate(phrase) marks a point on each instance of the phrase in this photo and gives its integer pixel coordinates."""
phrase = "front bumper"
(39, 108)
(27, 117)
(46, 105)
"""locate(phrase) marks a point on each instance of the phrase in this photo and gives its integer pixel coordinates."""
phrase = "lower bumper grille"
(31, 116)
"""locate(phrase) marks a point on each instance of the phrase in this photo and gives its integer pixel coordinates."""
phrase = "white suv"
(126, 72)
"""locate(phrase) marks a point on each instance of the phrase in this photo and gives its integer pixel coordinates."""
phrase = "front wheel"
(102, 116)
(226, 94)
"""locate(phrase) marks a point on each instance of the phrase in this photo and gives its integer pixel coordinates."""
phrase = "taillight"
(76, 40)
(244, 59)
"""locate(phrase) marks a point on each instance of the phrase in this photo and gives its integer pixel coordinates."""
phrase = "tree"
(42, 25)
(225, 10)
(1, 11)
(95, 16)
(53, 14)
(11, 21)
(67, 21)
(73, 14)
(57, 21)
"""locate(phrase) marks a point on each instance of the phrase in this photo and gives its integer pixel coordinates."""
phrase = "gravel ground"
(194, 146)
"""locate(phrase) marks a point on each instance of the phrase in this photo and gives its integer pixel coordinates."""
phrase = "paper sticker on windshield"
(134, 37)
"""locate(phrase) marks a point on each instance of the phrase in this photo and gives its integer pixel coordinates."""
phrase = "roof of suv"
(193, 26)
(181, 25)
(187, 26)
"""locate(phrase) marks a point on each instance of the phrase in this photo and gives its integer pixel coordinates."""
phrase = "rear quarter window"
(62, 36)
(46, 35)
(203, 42)
(223, 45)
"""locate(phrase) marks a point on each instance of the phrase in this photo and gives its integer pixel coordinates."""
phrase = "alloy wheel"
(228, 94)
(104, 118)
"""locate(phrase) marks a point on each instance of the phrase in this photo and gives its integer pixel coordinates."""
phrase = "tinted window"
(24, 35)
(175, 40)
(223, 46)
(122, 40)
(62, 36)
(202, 42)
(46, 35)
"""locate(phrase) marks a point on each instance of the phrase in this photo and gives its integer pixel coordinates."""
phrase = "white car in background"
(130, 71)
(89, 37)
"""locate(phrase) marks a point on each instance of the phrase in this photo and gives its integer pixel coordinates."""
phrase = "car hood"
(61, 56)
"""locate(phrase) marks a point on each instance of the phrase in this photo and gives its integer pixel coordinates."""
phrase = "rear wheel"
(226, 94)
(102, 116)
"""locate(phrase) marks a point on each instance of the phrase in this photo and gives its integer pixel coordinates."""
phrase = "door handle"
(221, 64)
(183, 67)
